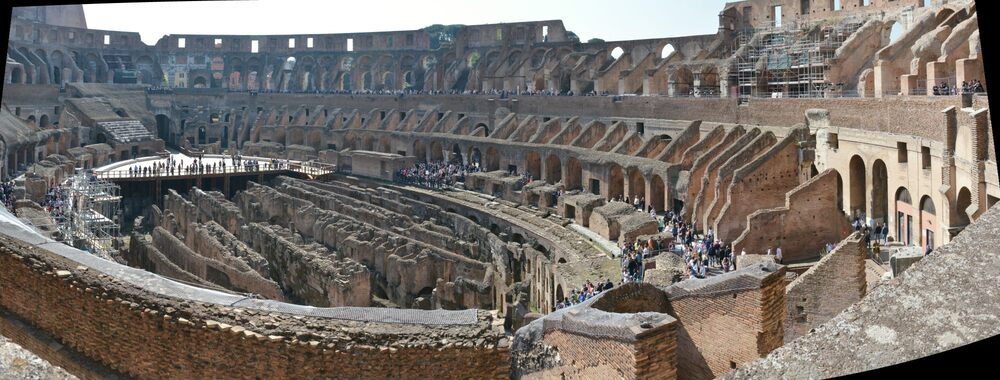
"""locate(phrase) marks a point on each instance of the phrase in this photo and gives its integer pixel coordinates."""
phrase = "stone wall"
(727, 321)
(147, 336)
(808, 220)
(827, 288)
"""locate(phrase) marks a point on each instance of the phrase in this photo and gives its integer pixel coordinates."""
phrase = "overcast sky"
(605, 19)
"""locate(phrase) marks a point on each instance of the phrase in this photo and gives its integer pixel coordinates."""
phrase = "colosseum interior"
(434, 202)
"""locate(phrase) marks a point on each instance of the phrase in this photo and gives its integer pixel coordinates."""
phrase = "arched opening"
(880, 193)
(369, 143)
(345, 82)
(574, 174)
(201, 135)
(385, 144)
(840, 191)
(616, 181)
(553, 169)
(476, 158)
(667, 51)
(437, 152)
(199, 82)
(420, 151)
(857, 183)
(388, 81)
(366, 81)
(657, 189)
(31, 120)
(962, 204)
(895, 32)
(456, 155)
(224, 143)
(904, 216)
(492, 159)
(617, 52)
(43, 122)
(682, 82)
(928, 222)
(163, 127)
(636, 184)
(15, 75)
(533, 163)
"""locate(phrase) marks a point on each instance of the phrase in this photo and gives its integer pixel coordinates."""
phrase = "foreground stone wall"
(694, 329)
(936, 305)
(146, 336)
(827, 288)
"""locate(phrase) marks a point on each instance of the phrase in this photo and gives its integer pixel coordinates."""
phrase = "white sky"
(606, 19)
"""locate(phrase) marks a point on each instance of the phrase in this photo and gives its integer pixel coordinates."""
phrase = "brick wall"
(808, 220)
(723, 328)
(834, 283)
(133, 334)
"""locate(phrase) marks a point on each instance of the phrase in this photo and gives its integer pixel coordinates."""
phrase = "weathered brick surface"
(146, 343)
(808, 220)
(830, 286)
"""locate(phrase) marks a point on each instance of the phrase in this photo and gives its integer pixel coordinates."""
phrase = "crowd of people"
(700, 253)
(198, 166)
(436, 175)
(7, 195)
(967, 87)
(56, 201)
(586, 292)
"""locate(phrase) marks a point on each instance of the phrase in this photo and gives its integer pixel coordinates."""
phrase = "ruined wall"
(827, 288)
(807, 221)
(722, 324)
(761, 183)
(146, 336)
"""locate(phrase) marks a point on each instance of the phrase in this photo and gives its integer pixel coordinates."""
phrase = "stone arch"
(880, 192)
(366, 81)
(667, 50)
(16, 74)
(437, 152)
(31, 120)
(492, 159)
(681, 81)
(893, 31)
(456, 154)
(657, 196)
(389, 80)
(199, 82)
(709, 83)
(553, 169)
(385, 145)
(369, 143)
(928, 223)
(904, 216)
(345, 82)
(43, 121)
(420, 150)
(840, 190)
(962, 203)
(56, 62)
(533, 165)
(163, 127)
(574, 174)
(616, 181)
(617, 52)
(636, 183)
(475, 157)
(858, 186)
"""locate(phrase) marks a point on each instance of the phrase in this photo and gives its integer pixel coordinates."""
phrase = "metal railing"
(264, 168)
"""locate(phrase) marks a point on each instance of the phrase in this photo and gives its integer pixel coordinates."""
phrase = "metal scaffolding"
(788, 61)
(93, 209)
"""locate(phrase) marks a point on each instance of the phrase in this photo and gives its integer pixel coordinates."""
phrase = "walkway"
(120, 170)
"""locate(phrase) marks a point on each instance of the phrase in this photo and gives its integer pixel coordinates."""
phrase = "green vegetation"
(595, 41)
(442, 34)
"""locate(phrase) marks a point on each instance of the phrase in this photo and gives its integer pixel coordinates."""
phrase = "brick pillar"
(936, 71)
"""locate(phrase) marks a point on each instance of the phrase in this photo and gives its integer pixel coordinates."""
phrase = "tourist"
(777, 255)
